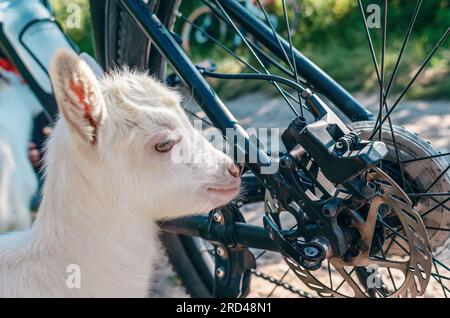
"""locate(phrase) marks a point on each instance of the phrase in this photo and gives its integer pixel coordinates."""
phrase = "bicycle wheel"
(421, 171)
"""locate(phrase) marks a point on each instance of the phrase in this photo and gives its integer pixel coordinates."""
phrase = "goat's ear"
(78, 95)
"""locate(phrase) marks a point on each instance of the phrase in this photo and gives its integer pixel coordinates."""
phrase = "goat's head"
(125, 129)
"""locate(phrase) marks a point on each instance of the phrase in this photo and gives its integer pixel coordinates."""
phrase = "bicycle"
(385, 206)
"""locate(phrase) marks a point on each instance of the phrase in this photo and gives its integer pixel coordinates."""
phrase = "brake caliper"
(320, 155)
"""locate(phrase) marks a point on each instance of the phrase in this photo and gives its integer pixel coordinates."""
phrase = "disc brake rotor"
(415, 268)
(419, 176)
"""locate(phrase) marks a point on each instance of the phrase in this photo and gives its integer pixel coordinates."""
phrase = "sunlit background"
(330, 33)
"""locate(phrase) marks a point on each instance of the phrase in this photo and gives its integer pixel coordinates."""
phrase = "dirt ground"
(430, 119)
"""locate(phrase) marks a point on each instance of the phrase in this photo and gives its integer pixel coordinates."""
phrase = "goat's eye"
(166, 145)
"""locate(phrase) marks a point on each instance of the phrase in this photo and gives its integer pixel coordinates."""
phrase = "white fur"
(105, 188)
(18, 182)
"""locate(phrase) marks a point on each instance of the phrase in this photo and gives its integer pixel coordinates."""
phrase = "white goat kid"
(18, 182)
(109, 176)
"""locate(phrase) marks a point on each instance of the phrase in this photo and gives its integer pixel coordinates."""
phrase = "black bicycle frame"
(245, 234)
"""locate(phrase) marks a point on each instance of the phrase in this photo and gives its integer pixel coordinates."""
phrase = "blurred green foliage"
(331, 34)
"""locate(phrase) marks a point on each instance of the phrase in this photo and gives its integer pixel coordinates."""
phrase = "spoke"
(440, 276)
(389, 269)
(279, 281)
(412, 81)
(445, 289)
(198, 117)
(406, 251)
(439, 279)
(435, 261)
(383, 56)
(371, 47)
(431, 194)
(444, 206)
(342, 283)
(272, 60)
(437, 179)
(329, 275)
(434, 208)
(380, 78)
(394, 234)
(284, 70)
(428, 157)
(390, 243)
(401, 246)
(255, 55)
(441, 264)
(221, 45)
(372, 52)
(419, 193)
(260, 254)
(437, 228)
(210, 37)
(274, 32)
(393, 230)
(291, 47)
(405, 42)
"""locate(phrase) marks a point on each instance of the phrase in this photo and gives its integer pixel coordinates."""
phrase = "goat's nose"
(234, 170)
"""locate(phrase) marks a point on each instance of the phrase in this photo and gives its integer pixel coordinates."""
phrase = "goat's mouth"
(224, 191)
